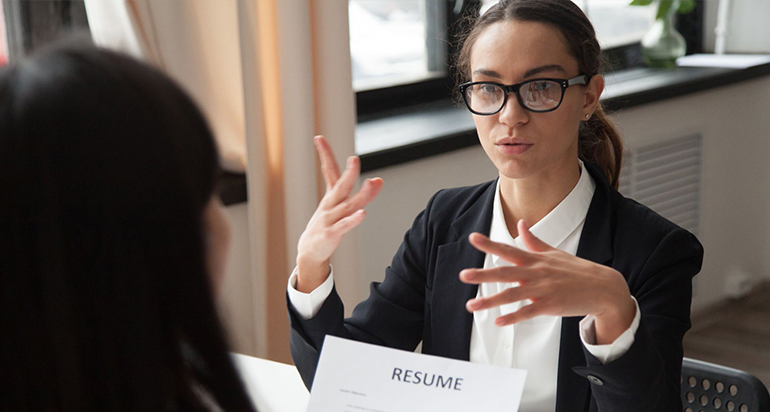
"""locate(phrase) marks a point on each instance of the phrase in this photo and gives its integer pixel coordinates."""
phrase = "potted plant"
(662, 45)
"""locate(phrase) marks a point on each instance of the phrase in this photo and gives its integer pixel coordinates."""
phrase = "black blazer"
(422, 299)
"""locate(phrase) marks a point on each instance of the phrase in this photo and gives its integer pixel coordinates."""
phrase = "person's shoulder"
(644, 228)
(634, 214)
(631, 219)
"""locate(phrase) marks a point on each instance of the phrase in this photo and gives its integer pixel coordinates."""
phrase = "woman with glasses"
(547, 268)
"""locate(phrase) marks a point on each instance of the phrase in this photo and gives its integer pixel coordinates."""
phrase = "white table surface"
(273, 386)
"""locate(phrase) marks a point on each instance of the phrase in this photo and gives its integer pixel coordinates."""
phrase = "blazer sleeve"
(647, 376)
(391, 316)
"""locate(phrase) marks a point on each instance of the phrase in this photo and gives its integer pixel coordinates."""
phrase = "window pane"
(616, 23)
(392, 42)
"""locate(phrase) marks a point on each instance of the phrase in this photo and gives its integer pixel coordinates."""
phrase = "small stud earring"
(588, 116)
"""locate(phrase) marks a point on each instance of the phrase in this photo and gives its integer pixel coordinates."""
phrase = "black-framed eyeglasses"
(536, 95)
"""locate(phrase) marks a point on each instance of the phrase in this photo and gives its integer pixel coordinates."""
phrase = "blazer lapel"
(573, 391)
(451, 322)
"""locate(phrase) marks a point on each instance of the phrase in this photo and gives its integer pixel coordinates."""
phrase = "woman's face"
(521, 143)
(217, 241)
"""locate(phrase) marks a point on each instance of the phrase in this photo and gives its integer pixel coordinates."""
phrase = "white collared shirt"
(534, 344)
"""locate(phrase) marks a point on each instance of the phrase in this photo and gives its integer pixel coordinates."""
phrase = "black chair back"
(708, 387)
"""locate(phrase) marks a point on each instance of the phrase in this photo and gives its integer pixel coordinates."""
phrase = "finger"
(344, 185)
(510, 295)
(346, 182)
(346, 224)
(531, 241)
(329, 168)
(363, 197)
(524, 313)
(504, 274)
(508, 253)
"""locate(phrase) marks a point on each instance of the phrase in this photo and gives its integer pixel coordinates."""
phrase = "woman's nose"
(512, 112)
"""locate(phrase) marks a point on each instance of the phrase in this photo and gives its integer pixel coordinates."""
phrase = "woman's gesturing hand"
(557, 283)
(337, 213)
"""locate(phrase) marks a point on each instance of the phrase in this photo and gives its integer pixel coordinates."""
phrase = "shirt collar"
(557, 225)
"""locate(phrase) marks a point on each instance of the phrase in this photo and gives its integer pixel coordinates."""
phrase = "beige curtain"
(297, 80)
(270, 74)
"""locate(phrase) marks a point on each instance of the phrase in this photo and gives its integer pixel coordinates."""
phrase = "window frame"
(382, 100)
(378, 103)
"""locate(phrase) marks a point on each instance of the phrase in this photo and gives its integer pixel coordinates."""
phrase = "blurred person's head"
(110, 240)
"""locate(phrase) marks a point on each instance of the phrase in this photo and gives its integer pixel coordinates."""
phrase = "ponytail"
(599, 142)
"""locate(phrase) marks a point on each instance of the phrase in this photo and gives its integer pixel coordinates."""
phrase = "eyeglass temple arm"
(582, 79)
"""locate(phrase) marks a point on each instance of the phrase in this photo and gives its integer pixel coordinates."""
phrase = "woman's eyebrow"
(546, 68)
(529, 73)
(488, 73)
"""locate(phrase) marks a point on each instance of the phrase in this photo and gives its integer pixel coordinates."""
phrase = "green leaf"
(686, 6)
(641, 3)
(663, 8)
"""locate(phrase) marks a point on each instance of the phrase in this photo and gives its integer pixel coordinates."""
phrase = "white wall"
(748, 30)
(735, 198)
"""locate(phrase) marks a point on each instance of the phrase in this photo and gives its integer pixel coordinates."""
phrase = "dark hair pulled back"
(598, 140)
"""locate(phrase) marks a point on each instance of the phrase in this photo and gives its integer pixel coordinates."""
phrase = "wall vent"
(666, 177)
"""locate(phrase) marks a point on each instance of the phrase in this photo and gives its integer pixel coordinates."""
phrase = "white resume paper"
(358, 377)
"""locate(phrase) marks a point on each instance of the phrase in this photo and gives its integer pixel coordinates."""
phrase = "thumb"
(531, 241)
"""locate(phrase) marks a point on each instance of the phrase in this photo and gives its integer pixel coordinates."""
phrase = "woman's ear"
(594, 90)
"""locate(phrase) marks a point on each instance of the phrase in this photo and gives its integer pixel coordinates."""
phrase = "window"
(616, 23)
(31, 24)
(388, 43)
(400, 52)
(401, 49)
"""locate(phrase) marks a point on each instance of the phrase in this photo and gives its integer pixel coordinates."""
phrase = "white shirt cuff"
(614, 350)
(308, 304)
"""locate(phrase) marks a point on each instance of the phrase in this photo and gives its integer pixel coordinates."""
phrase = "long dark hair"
(598, 140)
(106, 167)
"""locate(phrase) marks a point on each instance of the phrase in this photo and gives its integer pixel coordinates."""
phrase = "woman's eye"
(541, 86)
(489, 88)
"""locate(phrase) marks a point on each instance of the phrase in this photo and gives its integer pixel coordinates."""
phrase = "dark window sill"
(431, 129)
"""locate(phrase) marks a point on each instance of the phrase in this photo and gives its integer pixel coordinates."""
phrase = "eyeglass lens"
(535, 95)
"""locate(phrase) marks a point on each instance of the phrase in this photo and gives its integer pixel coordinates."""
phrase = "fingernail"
(473, 304)
(499, 322)
(350, 161)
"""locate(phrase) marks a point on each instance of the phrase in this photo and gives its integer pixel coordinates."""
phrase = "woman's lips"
(513, 148)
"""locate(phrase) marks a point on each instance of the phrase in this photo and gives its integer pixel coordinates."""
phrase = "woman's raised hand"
(557, 283)
(337, 213)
